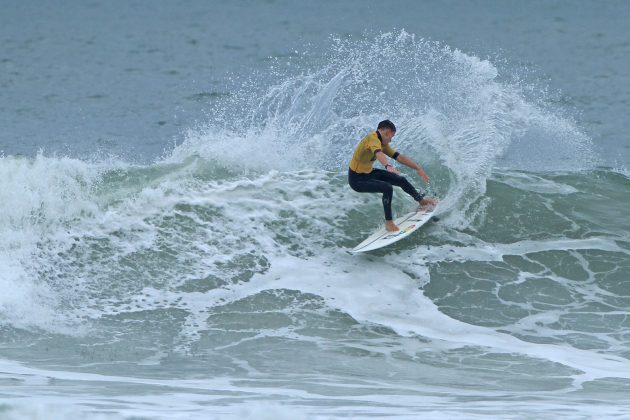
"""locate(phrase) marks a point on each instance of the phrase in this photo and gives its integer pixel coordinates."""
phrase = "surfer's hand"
(423, 175)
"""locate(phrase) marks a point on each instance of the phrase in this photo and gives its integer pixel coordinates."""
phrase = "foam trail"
(396, 302)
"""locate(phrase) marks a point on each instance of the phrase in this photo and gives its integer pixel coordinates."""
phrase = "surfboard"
(408, 224)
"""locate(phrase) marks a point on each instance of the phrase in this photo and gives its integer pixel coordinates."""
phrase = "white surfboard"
(408, 224)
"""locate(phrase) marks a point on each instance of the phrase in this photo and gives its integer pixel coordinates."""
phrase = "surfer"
(362, 177)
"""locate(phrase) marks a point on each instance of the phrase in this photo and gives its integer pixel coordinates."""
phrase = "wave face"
(223, 268)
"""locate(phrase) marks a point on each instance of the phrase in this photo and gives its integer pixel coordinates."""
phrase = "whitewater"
(216, 281)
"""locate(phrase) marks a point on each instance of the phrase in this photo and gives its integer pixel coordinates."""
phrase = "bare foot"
(390, 226)
(427, 203)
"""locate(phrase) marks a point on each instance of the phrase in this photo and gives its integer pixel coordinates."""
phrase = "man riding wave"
(362, 177)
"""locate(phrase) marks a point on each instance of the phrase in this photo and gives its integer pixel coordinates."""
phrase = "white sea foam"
(40, 201)
(379, 294)
(220, 398)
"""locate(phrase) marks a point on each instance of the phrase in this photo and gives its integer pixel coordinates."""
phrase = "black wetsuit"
(381, 181)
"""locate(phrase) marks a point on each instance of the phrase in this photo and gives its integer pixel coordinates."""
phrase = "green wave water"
(217, 280)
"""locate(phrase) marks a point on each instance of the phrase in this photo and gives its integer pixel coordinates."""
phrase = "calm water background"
(175, 219)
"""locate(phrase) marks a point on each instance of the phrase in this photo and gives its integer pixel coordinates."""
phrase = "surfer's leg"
(399, 181)
(424, 203)
(387, 200)
(367, 183)
(378, 186)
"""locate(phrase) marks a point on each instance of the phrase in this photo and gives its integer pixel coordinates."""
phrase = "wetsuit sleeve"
(374, 146)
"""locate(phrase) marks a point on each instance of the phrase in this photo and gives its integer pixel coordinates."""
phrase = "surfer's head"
(387, 130)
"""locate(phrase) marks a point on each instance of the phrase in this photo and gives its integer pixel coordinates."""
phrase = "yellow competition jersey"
(365, 153)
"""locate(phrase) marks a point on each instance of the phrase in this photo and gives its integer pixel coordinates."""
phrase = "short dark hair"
(386, 124)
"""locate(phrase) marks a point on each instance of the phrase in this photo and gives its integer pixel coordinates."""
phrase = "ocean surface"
(175, 219)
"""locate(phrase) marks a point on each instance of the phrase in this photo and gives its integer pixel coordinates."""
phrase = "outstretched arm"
(413, 165)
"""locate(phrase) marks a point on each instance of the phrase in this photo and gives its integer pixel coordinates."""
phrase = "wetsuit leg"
(368, 183)
(397, 180)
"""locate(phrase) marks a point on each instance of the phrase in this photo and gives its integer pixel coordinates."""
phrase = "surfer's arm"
(413, 165)
(382, 157)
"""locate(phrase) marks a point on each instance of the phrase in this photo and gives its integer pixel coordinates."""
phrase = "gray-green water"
(215, 280)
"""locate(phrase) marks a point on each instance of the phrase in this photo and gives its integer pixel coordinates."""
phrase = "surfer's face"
(387, 134)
